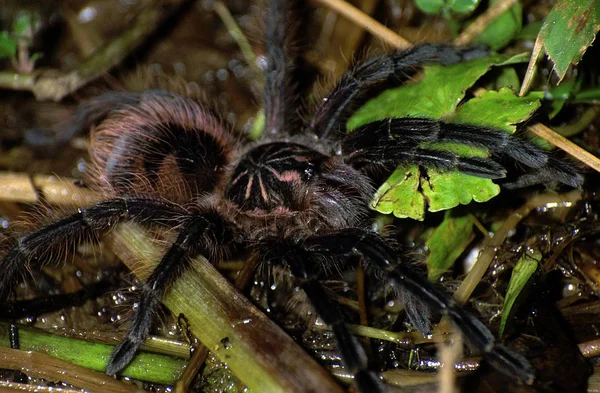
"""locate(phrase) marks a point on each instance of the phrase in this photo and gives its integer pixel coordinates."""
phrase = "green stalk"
(150, 367)
(258, 352)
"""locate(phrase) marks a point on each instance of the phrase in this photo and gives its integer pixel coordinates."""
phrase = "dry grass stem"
(20, 187)
(360, 18)
(44, 366)
(563, 143)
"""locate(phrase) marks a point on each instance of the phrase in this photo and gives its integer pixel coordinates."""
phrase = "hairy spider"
(298, 198)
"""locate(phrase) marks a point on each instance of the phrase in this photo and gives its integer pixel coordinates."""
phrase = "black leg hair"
(398, 141)
(380, 255)
(353, 354)
(197, 235)
(555, 172)
(358, 84)
(280, 93)
(37, 246)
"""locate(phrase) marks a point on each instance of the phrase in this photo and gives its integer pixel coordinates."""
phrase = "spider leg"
(197, 235)
(380, 255)
(39, 245)
(359, 84)
(352, 353)
(88, 114)
(280, 91)
(397, 141)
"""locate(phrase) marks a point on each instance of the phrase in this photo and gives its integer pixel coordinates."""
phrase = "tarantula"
(298, 197)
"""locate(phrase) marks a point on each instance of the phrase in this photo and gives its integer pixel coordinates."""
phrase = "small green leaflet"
(448, 241)
(504, 29)
(569, 29)
(408, 192)
(8, 45)
(445, 6)
(525, 268)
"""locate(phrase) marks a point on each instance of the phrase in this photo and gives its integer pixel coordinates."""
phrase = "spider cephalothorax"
(298, 199)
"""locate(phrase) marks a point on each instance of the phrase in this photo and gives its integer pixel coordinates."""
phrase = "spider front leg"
(357, 85)
(393, 142)
(377, 253)
(38, 247)
(199, 233)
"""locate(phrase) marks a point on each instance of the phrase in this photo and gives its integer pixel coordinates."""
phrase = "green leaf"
(445, 190)
(508, 78)
(408, 193)
(400, 195)
(463, 6)
(588, 95)
(559, 95)
(437, 94)
(8, 46)
(569, 29)
(26, 24)
(445, 6)
(503, 29)
(530, 31)
(449, 240)
(521, 274)
(498, 109)
(430, 6)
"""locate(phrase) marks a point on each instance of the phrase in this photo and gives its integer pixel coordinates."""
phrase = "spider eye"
(308, 172)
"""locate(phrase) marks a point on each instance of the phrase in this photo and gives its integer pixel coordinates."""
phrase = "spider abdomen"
(167, 146)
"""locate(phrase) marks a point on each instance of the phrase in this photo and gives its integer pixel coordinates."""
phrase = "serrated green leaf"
(8, 46)
(503, 29)
(400, 195)
(498, 109)
(521, 274)
(448, 241)
(408, 194)
(445, 190)
(437, 94)
(569, 29)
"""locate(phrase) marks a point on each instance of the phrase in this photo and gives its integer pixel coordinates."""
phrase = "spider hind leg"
(382, 257)
(304, 264)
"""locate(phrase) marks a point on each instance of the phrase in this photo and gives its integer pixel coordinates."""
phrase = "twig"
(563, 143)
(590, 349)
(54, 369)
(483, 21)
(55, 85)
(238, 36)
(360, 18)
(20, 187)
(490, 245)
